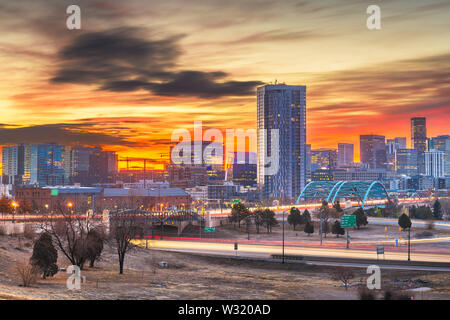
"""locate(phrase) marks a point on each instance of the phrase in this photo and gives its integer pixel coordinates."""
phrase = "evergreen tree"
(238, 213)
(437, 210)
(337, 230)
(294, 217)
(309, 228)
(94, 246)
(361, 218)
(45, 256)
(404, 222)
(269, 220)
(306, 216)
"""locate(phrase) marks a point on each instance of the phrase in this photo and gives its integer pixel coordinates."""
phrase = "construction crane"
(144, 160)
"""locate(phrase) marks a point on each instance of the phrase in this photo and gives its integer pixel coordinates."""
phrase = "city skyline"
(357, 88)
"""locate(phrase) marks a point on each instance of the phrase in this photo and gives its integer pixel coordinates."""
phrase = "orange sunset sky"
(137, 70)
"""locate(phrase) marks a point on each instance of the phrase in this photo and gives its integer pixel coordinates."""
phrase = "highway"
(415, 223)
(264, 251)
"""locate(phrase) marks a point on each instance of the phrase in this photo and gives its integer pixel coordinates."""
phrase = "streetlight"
(283, 236)
(409, 236)
(162, 222)
(14, 205)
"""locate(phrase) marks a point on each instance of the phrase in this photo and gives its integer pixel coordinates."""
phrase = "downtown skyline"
(207, 65)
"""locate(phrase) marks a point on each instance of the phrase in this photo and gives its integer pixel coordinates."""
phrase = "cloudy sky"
(137, 70)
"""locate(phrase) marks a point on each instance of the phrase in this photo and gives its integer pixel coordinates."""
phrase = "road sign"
(54, 192)
(348, 221)
(380, 250)
(210, 229)
(236, 201)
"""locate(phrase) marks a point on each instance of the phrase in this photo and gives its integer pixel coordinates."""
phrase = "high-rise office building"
(345, 154)
(419, 139)
(391, 146)
(16, 164)
(47, 164)
(406, 162)
(442, 143)
(400, 142)
(244, 172)
(103, 166)
(76, 164)
(373, 151)
(283, 108)
(323, 159)
(434, 163)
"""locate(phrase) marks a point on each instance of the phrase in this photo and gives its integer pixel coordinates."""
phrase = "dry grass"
(26, 273)
(193, 277)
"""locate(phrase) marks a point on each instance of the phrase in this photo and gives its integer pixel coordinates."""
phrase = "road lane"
(261, 251)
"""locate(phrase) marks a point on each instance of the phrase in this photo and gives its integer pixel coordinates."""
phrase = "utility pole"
(320, 228)
(409, 243)
(348, 239)
(283, 239)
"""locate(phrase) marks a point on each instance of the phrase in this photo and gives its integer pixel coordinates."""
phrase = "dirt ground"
(198, 277)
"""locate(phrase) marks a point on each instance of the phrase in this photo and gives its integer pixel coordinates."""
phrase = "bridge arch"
(357, 190)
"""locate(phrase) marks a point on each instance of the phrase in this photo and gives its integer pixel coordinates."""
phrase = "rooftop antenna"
(275, 81)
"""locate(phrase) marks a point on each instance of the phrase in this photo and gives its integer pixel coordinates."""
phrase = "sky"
(138, 70)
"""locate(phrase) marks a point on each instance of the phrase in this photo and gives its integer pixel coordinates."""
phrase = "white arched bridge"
(331, 191)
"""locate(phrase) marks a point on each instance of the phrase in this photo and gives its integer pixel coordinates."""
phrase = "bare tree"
(70, 235)
(344, 275)
(124, 228)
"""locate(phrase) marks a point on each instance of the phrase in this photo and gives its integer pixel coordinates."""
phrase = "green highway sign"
(348, 221)
(236, 201)
(54, 192)
(210, 229)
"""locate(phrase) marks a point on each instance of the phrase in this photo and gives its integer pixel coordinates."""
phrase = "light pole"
(409, 243)
(14, 205)
(409, 236)
(283, 240)
(320, 228)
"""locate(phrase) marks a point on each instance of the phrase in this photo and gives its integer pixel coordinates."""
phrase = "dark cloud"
(123, 60)
(63, 133)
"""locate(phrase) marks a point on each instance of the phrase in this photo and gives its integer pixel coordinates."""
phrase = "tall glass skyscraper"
(442, 143)
(406, 162)
(76, 164)
(345, 154)
(283, 108)
(373, 151)
(47, 165)
(16, 164)
(434, 163)
(419, 139)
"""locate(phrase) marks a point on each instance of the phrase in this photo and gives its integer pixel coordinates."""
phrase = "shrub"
(28, 232)
(309, 228)
(366, 294)
(27, 274)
